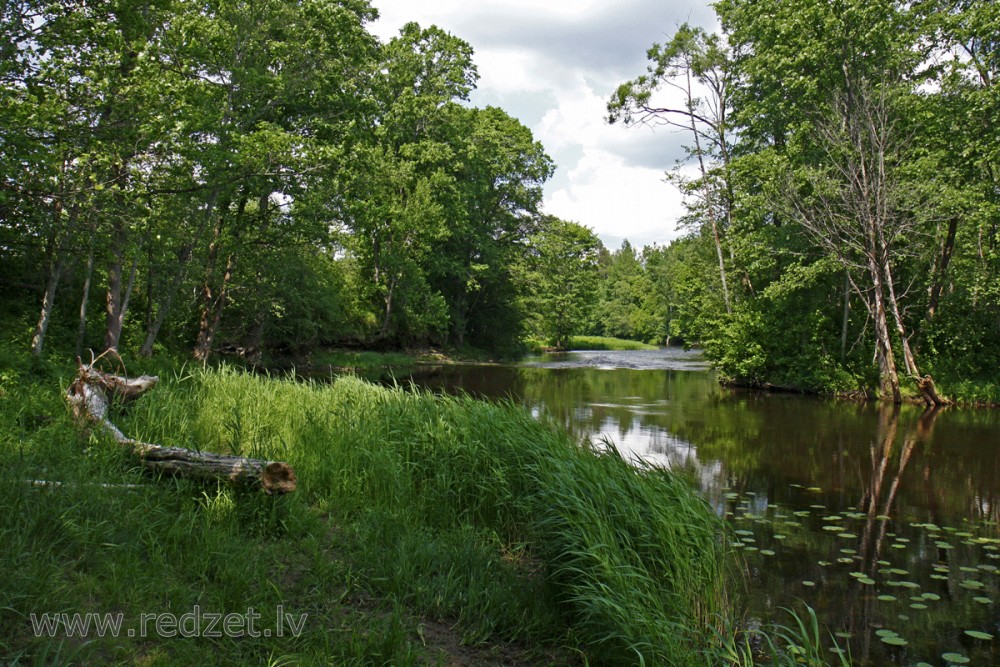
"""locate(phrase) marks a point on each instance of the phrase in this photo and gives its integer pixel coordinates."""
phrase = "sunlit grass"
(606, 343)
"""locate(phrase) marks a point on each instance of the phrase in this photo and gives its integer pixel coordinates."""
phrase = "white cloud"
(617, 200)
(602, 185)
(553, 65)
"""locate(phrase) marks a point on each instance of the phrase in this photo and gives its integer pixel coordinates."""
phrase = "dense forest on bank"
(842, 190)
(271, 177)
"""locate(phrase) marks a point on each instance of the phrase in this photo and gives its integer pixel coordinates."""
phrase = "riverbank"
(577, 343)
(960, 393)
(369, 363)
(425, 530)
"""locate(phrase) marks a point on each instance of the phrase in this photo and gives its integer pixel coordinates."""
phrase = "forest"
(270, 178)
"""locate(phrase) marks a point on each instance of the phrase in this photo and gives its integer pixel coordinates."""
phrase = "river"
(884, 521)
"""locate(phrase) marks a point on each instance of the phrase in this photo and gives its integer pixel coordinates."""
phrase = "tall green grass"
(473, 511)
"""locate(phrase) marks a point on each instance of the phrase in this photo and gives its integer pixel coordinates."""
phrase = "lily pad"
(983, 600)
(887, 598)
(976, 634)
(894, 641)
(956, 658)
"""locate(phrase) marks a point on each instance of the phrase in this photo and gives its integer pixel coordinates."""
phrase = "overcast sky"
(552, 64)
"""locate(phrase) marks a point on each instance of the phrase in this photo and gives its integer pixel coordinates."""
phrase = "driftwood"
(90, 396)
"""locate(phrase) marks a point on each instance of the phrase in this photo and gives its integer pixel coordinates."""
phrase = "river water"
(884, 521)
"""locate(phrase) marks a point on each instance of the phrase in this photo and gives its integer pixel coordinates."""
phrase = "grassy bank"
(607, 343)
(425, 530)
(593, 343)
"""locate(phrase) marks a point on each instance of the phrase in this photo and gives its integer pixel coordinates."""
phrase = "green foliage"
(629, 306)
(803, 354)
(561, 278)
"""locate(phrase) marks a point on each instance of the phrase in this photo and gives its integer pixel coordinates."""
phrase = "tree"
(854, 210)
(692, 62)
(562, 272)
(628, 305)
(501, 169)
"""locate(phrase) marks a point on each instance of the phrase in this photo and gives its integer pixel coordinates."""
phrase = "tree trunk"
(925, 384)
(847, 313)
(81, 330)
(214, 301)
(184, 259)
(941, 269)
(710, 209)
(908, 358)
(90, 395)
(883, 344)
(387, 314)
(113, 300)
(212, 313)
(153, 327)
(56, 267)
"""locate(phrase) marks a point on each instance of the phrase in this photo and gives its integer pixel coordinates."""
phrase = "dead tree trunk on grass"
(90, 396)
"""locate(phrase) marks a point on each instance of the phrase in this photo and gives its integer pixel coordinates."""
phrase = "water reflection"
(879, 518)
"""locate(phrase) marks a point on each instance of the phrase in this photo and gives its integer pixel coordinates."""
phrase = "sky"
(553, 64)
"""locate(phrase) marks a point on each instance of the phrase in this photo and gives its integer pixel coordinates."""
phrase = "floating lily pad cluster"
(921, 578)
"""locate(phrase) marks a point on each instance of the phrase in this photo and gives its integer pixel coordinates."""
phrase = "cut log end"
(278, 478)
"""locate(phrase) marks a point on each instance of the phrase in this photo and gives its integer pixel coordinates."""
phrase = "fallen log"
(90, 396)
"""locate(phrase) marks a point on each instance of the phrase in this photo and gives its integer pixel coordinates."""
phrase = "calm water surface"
(885, 522)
